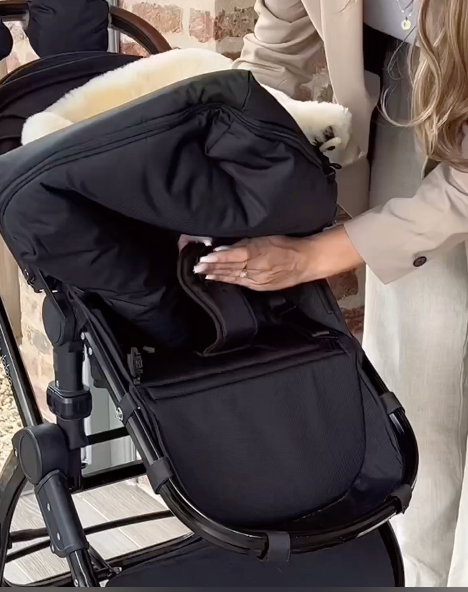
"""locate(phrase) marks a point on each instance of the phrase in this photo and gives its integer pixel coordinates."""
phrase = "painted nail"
(209, 259)
(199, 269)
(210, 278)
(224, 248)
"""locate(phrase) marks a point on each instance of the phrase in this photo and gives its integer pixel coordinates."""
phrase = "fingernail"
(209, 259)
(210, 278)
(199, 269)
(207, 242)
(224, 248)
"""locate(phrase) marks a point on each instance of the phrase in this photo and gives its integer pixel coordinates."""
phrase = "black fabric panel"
(365, 562)
(136, 289)
(270, 447)
(36, 86)
(380, 475)
(318, 303)
(198, 172)
(58, 26)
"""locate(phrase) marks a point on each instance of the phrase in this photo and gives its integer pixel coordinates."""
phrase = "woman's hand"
(276, 263)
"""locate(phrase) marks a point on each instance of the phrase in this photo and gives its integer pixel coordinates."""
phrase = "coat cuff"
(380, 249)
(405, 234)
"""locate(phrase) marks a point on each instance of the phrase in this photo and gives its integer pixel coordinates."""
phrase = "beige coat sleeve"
(280, 51)
(406, 233)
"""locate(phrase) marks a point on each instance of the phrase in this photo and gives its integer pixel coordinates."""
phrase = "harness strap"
(233, 317)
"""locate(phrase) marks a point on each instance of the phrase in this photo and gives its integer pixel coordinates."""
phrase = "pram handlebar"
(121, 20)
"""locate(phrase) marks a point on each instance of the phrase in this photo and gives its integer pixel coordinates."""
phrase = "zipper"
(147, 128)
(292, 138)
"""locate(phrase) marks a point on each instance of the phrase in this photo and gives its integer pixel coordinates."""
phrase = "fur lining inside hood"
(325, 124)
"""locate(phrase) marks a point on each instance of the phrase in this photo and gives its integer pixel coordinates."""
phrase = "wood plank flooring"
(94, 507)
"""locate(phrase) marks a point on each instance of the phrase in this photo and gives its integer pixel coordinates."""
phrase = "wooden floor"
(94, 507)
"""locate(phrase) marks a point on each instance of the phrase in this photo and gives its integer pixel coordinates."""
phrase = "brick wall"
(35, 348)
(215, 24)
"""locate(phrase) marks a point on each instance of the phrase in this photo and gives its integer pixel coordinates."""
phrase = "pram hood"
(55, 27)
(100, 205)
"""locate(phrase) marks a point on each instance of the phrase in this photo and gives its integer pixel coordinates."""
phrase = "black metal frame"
(13, 481)
(87, 569)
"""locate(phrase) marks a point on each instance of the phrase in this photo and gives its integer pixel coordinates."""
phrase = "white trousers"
(416, 336)
(416, 332)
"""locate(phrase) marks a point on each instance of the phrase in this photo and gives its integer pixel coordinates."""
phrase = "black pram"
(257, 417)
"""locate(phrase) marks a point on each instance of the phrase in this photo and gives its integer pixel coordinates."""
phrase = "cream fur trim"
(327, 124)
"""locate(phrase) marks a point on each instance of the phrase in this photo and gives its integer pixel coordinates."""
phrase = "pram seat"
(257, 418)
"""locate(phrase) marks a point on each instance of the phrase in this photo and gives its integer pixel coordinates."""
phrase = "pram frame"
(12, 479)
(86, 566)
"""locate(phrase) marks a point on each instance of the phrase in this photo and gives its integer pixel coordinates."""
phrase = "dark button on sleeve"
(420, 261)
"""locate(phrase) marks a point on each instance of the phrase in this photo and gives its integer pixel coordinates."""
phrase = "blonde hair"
(439, 76)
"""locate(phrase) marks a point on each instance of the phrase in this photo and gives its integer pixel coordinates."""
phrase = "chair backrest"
(121, 20)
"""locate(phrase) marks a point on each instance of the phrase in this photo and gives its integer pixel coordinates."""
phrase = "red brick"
(12, 62)
(304, 93)
(232, 55)
(236, 24)
(38, 341)
(319, 63)
(355, 320)
(344, 285)
(201, 25)
(46, 370)
(326, 94)
(133, 48)
(32, 364)
(17, 32)
(166, 19)
(342, 216)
